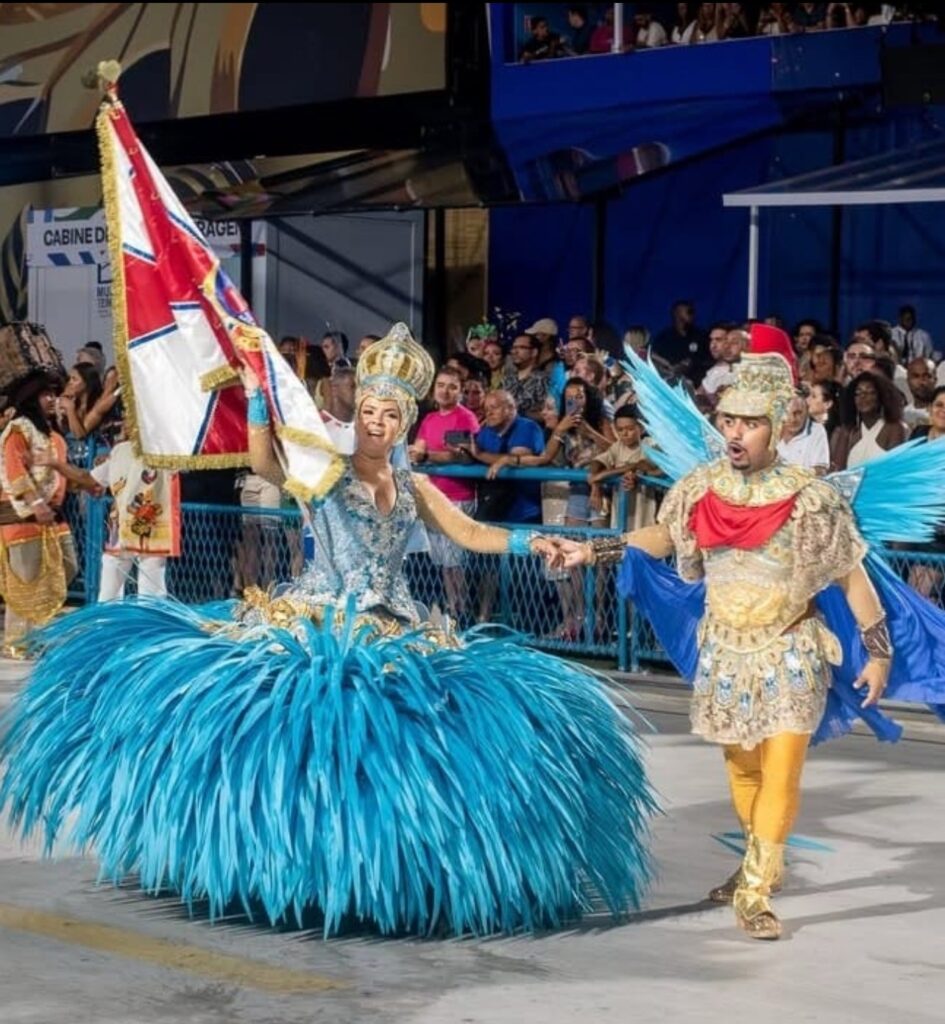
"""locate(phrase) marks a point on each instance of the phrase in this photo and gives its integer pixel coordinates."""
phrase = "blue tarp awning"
(914, 174)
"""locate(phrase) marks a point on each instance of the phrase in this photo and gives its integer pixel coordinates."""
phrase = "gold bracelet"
(877, 641)
(608, 550)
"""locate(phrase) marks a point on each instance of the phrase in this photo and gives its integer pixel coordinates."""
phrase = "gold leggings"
(766, 784)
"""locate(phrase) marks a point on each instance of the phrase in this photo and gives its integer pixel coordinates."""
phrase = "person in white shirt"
(730, 342)
(650, 33)
(921, 376)
(912, 341)
(803, 442)
(338, 415)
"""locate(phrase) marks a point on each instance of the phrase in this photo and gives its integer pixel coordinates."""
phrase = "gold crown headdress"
(764, 379)
(395, 367)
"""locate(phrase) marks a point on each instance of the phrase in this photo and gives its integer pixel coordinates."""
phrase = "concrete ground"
(864, 910)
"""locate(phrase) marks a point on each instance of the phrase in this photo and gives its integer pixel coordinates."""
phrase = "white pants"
(116, 569)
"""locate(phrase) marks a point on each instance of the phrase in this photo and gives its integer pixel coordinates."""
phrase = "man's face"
(572, 353)
(521, 352)
(920, 375)
(540, 29)
(684, 315)
(907, 319)
(287, 351)
(332, 349)
(627, 431)
(859, 357)
(497, 411)
(577, 328)
(342, 389)
(717, 338)
(732, 346)
(747, 439)
(796, 417)
(446, 391)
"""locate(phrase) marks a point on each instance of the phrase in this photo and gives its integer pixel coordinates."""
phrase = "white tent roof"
(915, 174)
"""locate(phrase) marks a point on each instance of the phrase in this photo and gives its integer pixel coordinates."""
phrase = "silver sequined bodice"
(359, 553)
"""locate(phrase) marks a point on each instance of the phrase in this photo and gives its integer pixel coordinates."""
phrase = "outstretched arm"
(871, 618)
(438, 511)
(654, 540)
(74, 474)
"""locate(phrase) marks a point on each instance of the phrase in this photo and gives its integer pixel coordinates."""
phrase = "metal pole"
(753, 264)
(439, 283)
(246, 261)
(617, 45)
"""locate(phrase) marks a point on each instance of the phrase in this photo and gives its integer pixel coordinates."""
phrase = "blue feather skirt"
(396, 784)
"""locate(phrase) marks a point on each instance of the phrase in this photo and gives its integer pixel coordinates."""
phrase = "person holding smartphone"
(582, 432)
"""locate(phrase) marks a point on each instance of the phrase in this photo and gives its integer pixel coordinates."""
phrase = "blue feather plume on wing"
(682, 437)
(898, 496)
(396, 783)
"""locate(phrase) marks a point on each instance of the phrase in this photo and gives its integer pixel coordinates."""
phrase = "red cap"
(766, 339)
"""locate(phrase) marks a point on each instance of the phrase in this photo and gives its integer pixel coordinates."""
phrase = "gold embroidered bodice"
(755, 595)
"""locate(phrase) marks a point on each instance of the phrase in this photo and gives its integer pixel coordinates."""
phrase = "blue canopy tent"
(915, 174)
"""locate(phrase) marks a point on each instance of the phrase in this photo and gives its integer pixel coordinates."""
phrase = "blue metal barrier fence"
(226, 548)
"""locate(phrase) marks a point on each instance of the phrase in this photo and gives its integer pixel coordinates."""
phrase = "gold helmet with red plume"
(765, 379)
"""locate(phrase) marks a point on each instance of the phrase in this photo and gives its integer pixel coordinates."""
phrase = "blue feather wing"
(682, 437)
(899, 496)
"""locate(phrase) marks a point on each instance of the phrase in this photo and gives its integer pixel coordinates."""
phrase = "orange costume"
(37, 561)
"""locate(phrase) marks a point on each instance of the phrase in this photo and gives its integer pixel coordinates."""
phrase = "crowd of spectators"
(579, 29)
(558, 399)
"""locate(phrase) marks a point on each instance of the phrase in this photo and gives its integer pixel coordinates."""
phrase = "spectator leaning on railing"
(505, 438)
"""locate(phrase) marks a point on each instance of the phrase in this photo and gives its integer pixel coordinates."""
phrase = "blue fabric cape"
(675, 609)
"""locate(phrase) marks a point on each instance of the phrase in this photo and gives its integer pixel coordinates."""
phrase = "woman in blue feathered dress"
(324, 749)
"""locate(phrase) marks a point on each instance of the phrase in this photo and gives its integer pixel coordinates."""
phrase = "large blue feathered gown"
(404, 781)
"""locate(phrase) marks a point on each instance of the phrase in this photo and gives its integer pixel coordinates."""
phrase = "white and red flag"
(182, 331)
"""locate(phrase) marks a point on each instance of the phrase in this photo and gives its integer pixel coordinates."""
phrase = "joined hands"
(562, 552)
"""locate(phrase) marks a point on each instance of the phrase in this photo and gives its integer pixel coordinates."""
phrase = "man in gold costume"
(766, 538)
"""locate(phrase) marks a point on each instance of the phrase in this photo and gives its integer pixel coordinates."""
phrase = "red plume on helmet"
(766, 340)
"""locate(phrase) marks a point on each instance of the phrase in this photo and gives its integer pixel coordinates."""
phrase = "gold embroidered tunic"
(764, 656)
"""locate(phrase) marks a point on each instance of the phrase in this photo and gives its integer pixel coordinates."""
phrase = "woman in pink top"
(439, 440)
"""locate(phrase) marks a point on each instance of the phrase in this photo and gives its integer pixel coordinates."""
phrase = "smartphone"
(457, 438)
(570, 406)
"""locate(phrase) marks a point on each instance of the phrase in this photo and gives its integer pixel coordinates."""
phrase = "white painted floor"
(864, 909)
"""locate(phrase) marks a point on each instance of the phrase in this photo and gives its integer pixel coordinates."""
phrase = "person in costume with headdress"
(37, 552)
(327, 748)
(753, 618)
